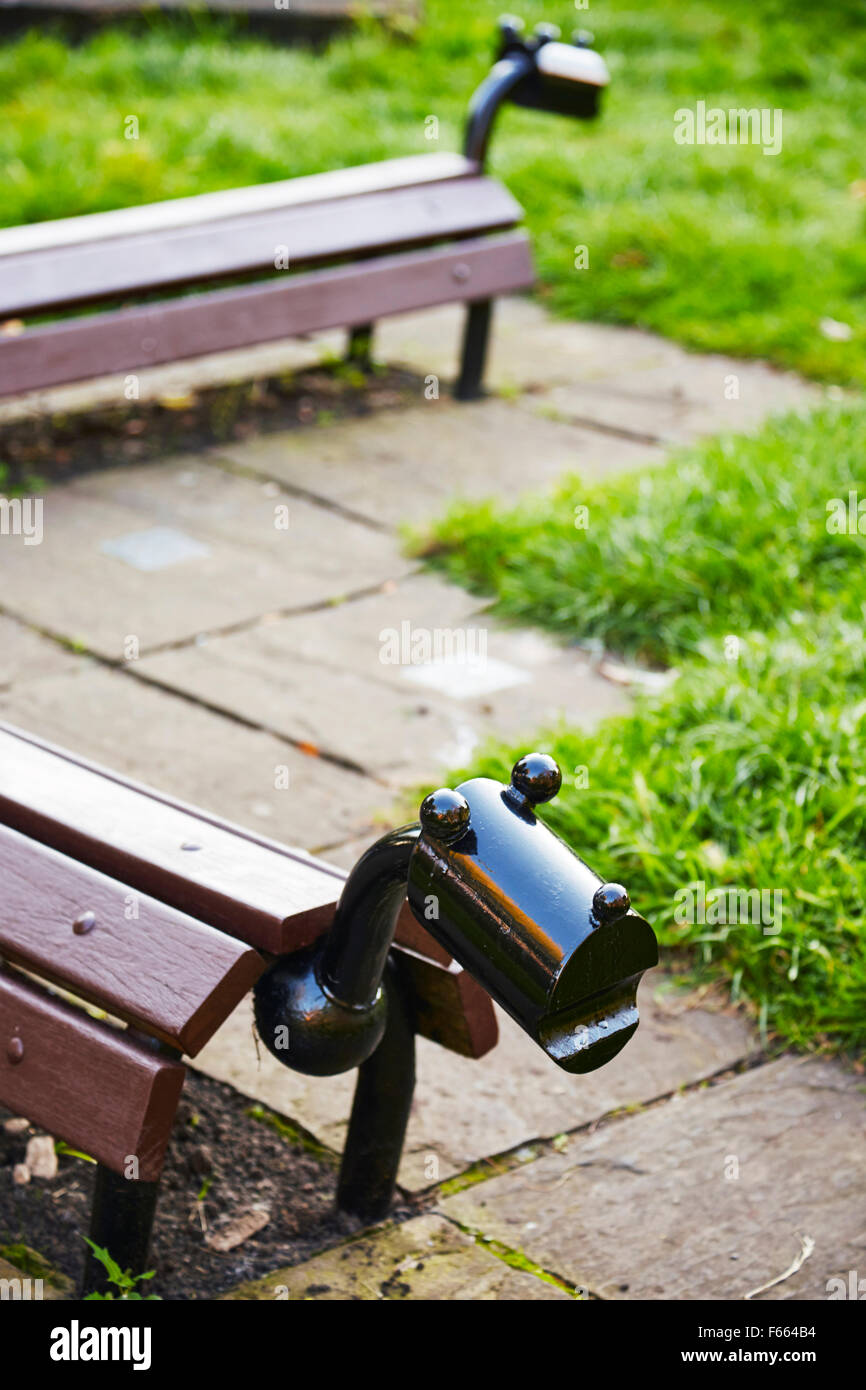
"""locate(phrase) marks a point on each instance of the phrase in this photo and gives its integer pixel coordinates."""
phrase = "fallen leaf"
(238, 1230)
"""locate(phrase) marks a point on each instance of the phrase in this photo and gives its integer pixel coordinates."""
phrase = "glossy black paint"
(122, 1211)
(322, 1010)
(560, 950)
(380, 1111)
(515, 77)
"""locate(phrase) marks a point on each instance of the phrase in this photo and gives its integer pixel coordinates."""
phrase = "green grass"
(722, 539)
(749, 773)
(720, 247)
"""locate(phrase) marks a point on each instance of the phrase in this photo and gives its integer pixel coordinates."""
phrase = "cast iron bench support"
(538, 72)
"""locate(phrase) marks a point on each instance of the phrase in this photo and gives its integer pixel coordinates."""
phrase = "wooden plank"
(204, 208)
(83, 1081)
(135, 957)
(262, 893)
(127, 339)
(373, 222)
(451, 1007)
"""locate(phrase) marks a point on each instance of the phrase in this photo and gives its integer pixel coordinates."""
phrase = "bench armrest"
(537, 72)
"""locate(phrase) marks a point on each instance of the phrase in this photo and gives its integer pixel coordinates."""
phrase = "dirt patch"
(228, 1158)
(57, 446)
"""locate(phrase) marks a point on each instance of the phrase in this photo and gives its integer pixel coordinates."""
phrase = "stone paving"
(170, 626)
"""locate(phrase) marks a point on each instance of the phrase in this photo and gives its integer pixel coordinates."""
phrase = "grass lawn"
(717, 246)
(750, 771)
(722, 539)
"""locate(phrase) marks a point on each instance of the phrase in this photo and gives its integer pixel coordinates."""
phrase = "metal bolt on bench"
(560, 950)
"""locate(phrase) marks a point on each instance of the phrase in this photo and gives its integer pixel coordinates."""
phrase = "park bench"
(132, 924)
(115, 292)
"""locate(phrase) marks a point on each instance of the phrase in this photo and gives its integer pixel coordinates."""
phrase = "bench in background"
(340, 249)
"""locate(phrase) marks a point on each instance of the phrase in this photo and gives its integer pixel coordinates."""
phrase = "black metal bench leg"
(121, 1221)
(476, 335)
(380, 1113)
(360, 348)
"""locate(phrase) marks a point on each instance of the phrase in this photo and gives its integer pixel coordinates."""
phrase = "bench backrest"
(374, 216)
(269, 227)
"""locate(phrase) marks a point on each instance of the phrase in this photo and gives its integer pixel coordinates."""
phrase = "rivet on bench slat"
(15, 1050)
(83, 924)
(190, 845)
(461, 272)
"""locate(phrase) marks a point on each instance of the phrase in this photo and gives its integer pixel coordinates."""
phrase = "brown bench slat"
(194, 326)
(264, 893)
(160, 970)
(276, 897)
(451, 1007)
(408, 170)
(84, 1082)
(366, 224)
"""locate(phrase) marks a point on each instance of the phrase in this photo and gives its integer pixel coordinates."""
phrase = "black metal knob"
(610, 902)
(583, 38)
(537, 777)
(547, 33)
(511, 24)
(445, 815)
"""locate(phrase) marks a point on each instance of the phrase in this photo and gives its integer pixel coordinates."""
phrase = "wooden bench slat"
(84, 1082)
(147, 963)
(265, 895)
(235, 202)
(372, 222)
(126, 339)
(451, 1007)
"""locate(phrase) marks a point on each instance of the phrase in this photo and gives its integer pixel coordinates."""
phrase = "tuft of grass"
(720, 540)
(721, 247)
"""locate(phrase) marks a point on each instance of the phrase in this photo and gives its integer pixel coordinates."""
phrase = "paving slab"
(180, 748)
(620, 378)
(467, 1110)
(410, 465)
(425, 1258)
(710, 1195)
(159, 553)
(17, 1284)
(344, 678)
(675, 398)
(26, 656)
